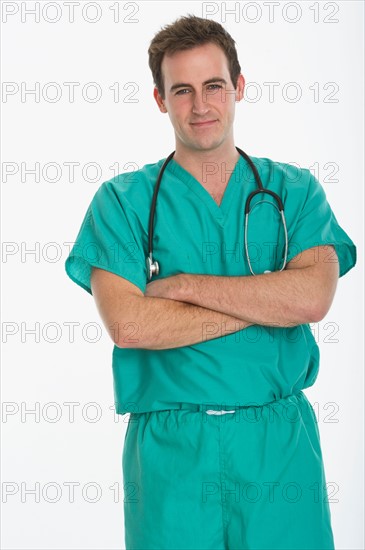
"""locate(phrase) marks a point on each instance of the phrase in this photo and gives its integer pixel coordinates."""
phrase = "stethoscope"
(153, 267)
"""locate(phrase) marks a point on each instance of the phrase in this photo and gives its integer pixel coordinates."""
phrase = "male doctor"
(222, 449)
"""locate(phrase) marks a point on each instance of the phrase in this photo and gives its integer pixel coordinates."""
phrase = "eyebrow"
(209, 81)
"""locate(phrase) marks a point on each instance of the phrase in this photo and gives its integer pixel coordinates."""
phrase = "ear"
(159, 100)
(240, 87)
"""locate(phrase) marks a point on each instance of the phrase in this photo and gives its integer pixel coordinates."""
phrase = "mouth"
(203, 124)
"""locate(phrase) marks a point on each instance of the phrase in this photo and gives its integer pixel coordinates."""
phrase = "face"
(199, 97)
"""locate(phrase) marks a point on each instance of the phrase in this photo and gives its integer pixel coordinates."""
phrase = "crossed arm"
(302, 293)
(185, 309)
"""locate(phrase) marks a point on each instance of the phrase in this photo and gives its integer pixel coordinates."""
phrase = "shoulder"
(130, 187)
(288, 172)
(288, 178)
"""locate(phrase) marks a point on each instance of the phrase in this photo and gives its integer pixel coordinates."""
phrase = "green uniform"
(254, 367)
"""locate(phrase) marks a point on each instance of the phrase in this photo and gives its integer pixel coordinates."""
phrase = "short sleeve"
(107, 240)
(316, 224)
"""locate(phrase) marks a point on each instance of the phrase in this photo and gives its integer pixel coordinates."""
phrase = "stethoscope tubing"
(153, 266)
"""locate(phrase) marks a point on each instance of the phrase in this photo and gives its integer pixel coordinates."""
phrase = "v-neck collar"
(220, 212)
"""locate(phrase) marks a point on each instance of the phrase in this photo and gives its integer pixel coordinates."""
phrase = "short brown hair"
(185, 33)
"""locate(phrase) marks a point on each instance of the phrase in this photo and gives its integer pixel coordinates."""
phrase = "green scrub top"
(192, 234)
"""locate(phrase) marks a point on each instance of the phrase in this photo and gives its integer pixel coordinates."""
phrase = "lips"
(205, 123)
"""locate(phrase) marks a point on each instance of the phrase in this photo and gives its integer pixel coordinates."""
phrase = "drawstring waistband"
(215, 408)
(218, 412)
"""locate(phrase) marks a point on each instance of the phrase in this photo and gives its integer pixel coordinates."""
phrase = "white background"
(37, 289)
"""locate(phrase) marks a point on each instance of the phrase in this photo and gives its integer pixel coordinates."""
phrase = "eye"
(213, 86)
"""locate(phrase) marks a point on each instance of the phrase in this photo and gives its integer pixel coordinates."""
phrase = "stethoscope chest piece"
(152, 267)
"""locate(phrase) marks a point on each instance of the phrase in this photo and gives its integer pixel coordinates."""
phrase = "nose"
(200, 105)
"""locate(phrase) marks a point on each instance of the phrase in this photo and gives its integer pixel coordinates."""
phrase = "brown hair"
(185, 33)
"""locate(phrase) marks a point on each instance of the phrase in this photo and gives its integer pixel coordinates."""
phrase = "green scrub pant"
(249, 479)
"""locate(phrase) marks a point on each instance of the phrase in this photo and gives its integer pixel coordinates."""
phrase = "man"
(222, 448)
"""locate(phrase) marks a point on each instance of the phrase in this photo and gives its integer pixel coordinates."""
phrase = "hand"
(167, 287)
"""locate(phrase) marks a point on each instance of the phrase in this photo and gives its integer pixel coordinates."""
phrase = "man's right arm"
(137, 321)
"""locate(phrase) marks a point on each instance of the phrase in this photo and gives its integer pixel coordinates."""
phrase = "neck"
(212, 167)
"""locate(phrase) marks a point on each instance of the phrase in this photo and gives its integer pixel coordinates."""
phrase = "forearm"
(161, 323)
(286, 298)
(302, 293)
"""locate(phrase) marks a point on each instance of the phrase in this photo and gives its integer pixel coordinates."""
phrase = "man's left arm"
(302, 293)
